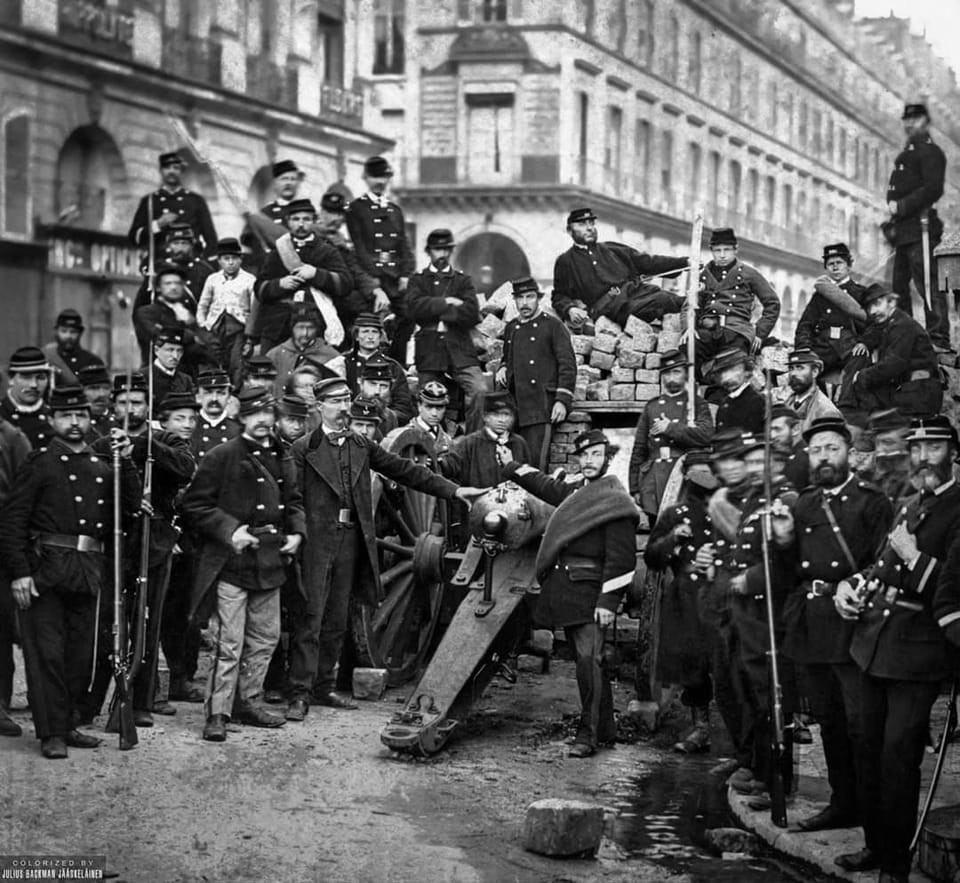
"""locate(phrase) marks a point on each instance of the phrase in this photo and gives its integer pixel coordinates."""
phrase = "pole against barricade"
(693, 295)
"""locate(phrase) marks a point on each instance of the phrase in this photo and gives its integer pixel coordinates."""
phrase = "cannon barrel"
(526, 516)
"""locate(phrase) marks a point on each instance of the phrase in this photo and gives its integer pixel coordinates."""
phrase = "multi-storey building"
(92, 90)
(780, 118)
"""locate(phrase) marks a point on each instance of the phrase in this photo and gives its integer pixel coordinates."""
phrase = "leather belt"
(820, 588)
(346, 518)
(82, 542)
(385, 256)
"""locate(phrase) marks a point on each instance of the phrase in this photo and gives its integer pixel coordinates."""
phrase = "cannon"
(476, 593)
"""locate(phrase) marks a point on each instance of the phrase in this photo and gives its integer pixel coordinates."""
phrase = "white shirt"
(221, 295)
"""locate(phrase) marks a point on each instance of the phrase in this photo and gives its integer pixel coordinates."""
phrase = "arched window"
(91, 185)
(15, 163)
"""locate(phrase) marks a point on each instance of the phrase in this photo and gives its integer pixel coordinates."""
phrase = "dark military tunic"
(916, 183)
(827, 330)
(69, 363)
(165, 383)
(745, 410)
(196, 269)
(726, 300)
(472, 460)
(33, 423)
(401, 399)
(378, 232)
(189, 207)
(207, 435)
(443, 342)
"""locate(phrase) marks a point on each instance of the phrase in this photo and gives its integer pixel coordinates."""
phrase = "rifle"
(693, 292)
(779, 748)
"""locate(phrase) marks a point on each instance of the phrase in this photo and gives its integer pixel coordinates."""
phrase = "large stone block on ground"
(630, 359)
(582, 344)
(587, 374)
(646, 375)
(619, 374)
(671, 322)
(369, 683)
(645, 342)
(603, 325)
(637, 326)
(652, 361)
(605, 343)
(563, 828)
(647, 391)
(603, 361)
(622, 392)
(599, 391)
(668, 340)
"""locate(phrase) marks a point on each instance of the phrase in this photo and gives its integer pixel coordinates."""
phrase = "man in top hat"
(443, 302)
(664, 434)
(265, 227)
(741, 405)
(379, 234)
(259, 371)
(170, 204)
(368, 336)
(340, 560)
(366, 295)
(305, 345)
(904, 643)
(916, 183)
(301, 268)
(214, 424)
(64, 352)
(225, 309)
(96, 385)
(365, 418)
(833, 319)
(806, 398)
(376, 384)
(585, 563)
(538, 368)
(895, 366)
(729, 289)
(245, 504)
(28, 376)
(168, 353)
(593, 279)
(54, 533)
(837, 525)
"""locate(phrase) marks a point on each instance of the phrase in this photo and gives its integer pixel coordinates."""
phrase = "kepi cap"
(434, 393)
(441, 238)
(588, 439)
(500, 400)
(935, 428)
(169, 158)
(178, 401)
(364, 409)
(253, 400)
(828, 424)
(285, 165)
(837, 250)
(68, 398)
(28, 358)
(69, 319)
(292, 405)
(377, 167)
(673, 359)
(583, 213)
(93, 375)
(723, 236)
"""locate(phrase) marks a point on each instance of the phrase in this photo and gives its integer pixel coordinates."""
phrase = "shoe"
(8, 726)
(164, 708)
(216, 728)
(334, 700)
(581, 749)
(697, 741)
(273, 697)
(297, 710)
(53, 748)
(828, 819)
(748, 788)
(801, 732)
(864, 860)
(725, 768)
(181, 690)
(76, 739)
(142, 717)
(760, 803)
(253, 716)
(742, 775)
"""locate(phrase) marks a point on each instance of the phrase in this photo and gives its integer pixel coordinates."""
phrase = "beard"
(799, 385)
(940, 472)
(584, 238)
(827, 475)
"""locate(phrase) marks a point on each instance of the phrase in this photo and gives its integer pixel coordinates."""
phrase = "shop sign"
(87, 256)
(99, 27)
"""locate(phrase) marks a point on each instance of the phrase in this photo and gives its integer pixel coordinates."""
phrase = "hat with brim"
(260, 366)
(307, 312)
(723, 236)
(727, 444)
(68, 398)
(69, 319)
(329, 387)
(522, 286)
(170, 270)
(589, 439)
(729, 358)
(837, 250)
(434, 393)
(179, 401)
(296, 206)
(292, 405)
(180, 231)
(874, 292)
(697, 457)
(936, 428)
(28, 359)
(915, 110)
(171, 158)
(580, 214)
(785, 411)
(364, 409)
(500, 400)
(804, 357)
(137, 383)
(376, 368)
(168, 334)
(229, 246)
(888, 420)
(284, 166)
(828, 424)
(254, 400)
(673, 359)
(377, 167)
(213, 379)
(93, 375)
(440, 239)
(368, 320)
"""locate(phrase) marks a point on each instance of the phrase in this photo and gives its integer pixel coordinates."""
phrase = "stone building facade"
(777, 117)
(91, 91)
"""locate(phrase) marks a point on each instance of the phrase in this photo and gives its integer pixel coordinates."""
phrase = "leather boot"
(8, 726)
(697, 741)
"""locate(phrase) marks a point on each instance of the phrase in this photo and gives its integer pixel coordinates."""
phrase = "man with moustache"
(901, 370)
(266, 227)
(891, 470)
(901, 609)
(585, 563)
(741, 405)
(64, 353)
(245, 504)
(95, 382)
(214, 426)
(333, 467)
(375, 384)
(593, 279)
(538, 368)
(178, 253)
(28, 376)
(789, 446)
(368, 334)
(806, 398)
(171, 308)
(54, 531)
(837, 526)
(305, 346)
(301, 268)
(833, 319)
(664, 434)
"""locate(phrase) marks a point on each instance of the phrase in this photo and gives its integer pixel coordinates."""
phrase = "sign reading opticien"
(93, 24)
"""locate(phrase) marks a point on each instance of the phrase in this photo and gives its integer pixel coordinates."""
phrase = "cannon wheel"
(412, 526)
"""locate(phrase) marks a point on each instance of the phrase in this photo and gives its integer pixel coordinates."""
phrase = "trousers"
(596, 695)
(825, 689)
(907, 267)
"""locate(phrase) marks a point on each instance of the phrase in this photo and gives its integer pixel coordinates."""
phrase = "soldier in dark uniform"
(890, 470)
(368, 332)
(258, 235)
(443, 302)
(245, 503)
(729, 289)
(806, 398)
(825, 327)
(903, 373)
(688, 640)
(259, 371)
(432, 402)
(96, 387)
(54, 530)
(179, 252)
(837, 525)
(663, 434)
(302, 267)
(901, 608)
(916, 183)
(786, 438)
(291, 419)
(376, 385)
(365, 419)
(607, 278)
(14, 448)
(172, 204)
(214, 425)
(167, 355)
(378, 232)
(65, 354)
(741, 405)
(23, 406)
(340, 560)
(585, 563)
(539, 368)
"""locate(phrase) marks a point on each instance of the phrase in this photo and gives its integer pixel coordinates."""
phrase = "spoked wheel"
(411, 545)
